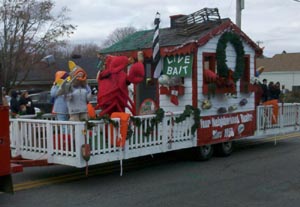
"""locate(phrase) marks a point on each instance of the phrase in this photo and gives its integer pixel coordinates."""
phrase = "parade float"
(203, 99)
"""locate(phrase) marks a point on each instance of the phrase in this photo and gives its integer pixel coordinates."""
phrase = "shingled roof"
(168, 37)
(177, 36)
(280, 62)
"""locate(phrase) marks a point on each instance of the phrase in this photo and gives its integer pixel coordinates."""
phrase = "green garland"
(189, 110)
(160, 113)
(105, 118)
(221, 55)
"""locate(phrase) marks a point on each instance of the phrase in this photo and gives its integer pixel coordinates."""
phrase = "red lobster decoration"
(113, 84)
(221, 82)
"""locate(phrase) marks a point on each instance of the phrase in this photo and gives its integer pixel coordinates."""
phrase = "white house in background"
(284, 68)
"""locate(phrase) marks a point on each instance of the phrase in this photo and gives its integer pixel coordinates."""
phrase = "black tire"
(204, 152)
(224, 149)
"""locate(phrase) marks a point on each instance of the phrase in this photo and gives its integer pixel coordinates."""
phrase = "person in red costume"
(113, 83)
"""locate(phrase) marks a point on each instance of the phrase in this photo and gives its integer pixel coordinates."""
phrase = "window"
(209, 61)
(245, 86)
(209, 72)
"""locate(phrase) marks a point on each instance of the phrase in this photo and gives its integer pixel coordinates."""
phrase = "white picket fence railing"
(60, 142)
(287, 120)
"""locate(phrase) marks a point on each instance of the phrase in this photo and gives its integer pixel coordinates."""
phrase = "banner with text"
(178, 65)
(214, 129)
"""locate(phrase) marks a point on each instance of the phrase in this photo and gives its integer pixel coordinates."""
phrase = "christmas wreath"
(221, 55)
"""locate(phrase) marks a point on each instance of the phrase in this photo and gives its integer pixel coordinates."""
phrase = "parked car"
(42, 101)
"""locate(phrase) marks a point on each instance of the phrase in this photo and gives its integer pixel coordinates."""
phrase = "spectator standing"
(14, 104)
(277, 90)
(265, 91)
(258, 92)
(272, 93)
(26, 101)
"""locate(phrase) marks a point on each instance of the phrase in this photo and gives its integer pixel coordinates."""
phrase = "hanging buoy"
(86, 152)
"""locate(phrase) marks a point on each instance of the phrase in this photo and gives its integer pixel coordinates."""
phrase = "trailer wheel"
(224, 149)
(204, 153)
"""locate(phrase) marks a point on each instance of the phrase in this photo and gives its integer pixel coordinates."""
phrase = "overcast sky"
(276, 23)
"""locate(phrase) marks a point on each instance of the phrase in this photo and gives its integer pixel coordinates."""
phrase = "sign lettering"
(178, 65)
(225, 127)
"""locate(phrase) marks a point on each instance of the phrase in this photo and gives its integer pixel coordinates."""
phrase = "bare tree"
(86, 50)
(27, 30)
(117, 35)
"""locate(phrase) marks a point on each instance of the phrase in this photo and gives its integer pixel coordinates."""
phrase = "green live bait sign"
(178, 65)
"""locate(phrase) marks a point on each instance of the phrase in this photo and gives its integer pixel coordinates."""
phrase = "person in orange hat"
(60, 108)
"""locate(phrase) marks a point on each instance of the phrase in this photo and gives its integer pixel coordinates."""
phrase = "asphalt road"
(256, 174)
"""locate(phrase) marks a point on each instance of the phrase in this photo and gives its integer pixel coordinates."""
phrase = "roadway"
(258, 173)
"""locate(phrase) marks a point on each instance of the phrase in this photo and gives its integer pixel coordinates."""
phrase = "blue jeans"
(62, 117)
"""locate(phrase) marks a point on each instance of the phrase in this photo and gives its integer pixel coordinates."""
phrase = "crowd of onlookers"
(270, 91)
(21, 105)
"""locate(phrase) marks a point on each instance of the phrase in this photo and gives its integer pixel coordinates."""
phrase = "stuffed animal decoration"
(209, 76)
(113, 83)
(227, 82)
(78, 93)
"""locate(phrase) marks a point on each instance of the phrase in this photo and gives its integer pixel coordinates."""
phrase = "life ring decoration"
(221, 55)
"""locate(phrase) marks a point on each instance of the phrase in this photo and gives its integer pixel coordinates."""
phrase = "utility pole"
(240, 5)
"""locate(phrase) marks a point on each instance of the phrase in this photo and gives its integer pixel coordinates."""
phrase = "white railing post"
(281, 108)
(297, 117)
(258, 118)
(164, 130)
(50, 140)
(16, 137)
(193, 136)
(79, 141)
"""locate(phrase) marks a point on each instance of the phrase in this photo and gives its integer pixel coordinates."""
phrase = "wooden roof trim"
(228, 25)
(186, 48)
(189, 47)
